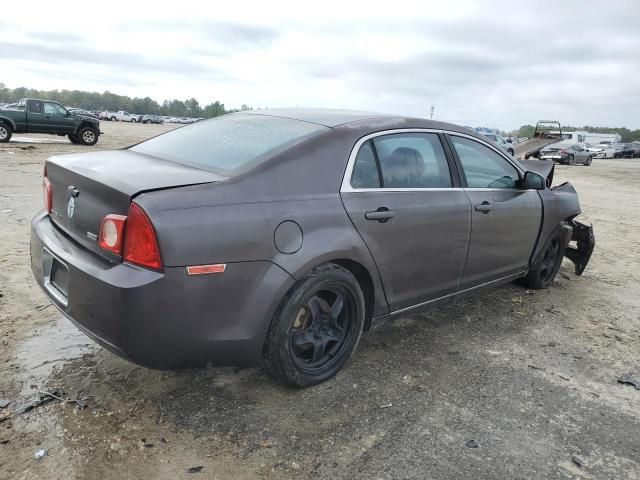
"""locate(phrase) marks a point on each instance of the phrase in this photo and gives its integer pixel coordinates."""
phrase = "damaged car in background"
(276, 237)
(568, 155)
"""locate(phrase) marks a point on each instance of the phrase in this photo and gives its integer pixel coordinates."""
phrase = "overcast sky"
(479, 63)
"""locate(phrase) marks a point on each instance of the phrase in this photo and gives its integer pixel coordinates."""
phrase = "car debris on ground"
(630, 378)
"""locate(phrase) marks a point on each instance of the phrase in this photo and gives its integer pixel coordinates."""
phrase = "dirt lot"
(529, 377)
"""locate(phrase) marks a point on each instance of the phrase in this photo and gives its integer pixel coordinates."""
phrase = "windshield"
(230, 144)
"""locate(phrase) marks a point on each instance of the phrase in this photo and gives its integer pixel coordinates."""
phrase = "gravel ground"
(505, 383)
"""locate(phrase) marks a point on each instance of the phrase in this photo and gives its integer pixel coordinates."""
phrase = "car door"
(409, 209)
(35, 116)
(505, 219)
(57, 118)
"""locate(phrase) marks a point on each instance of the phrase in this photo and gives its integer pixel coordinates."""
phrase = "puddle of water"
(48, 348)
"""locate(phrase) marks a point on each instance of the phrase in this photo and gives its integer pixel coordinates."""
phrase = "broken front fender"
(585, 242)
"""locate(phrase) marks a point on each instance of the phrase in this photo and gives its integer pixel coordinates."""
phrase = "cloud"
(497, 64)
(125, 62)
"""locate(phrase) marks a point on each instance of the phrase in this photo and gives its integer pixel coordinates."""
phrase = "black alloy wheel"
(316, 328)
(321, 329)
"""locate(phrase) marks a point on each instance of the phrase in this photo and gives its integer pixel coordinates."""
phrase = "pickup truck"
(45, 116)
(123, 116)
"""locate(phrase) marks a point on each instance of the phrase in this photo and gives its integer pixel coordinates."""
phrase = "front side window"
(53, 109)
(483, 167)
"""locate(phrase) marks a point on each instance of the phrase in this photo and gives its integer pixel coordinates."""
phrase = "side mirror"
(533, 181)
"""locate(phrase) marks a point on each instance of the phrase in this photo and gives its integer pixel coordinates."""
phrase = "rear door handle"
(382, 215)
(484, 207)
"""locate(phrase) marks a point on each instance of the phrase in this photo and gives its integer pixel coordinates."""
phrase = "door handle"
(382, 215)
(484, 207)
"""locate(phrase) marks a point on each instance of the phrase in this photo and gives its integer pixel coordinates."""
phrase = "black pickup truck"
(44, 116)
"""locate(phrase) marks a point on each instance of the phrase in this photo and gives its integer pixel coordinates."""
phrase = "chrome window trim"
(346, 179)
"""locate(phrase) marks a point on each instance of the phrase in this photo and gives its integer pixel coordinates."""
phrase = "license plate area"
(56, 277)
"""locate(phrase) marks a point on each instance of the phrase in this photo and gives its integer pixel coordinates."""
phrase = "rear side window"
(35, 107)
(365, 170)
(484, 168)
(230, 144)
(412, 160)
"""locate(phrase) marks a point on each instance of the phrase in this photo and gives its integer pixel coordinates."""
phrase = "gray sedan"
(277, 237)
(569, 155)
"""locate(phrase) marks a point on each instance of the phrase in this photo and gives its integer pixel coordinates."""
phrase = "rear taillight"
(111, 236)
(140, 243)
(131, 237)
(47, 192)
(563, 151)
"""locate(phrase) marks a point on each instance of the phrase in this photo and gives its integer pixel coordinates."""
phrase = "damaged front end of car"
(580, 245)
(561, 205)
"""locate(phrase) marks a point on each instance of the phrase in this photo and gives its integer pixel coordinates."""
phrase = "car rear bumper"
(165, 319)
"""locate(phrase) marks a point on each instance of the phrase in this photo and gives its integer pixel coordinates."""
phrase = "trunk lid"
(87, 187)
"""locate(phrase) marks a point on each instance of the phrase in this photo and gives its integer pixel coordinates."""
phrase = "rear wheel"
(571, 160)
(87, 136)
(316, 328)
(5, 132)
(545, 267)
(511, 152)
(133, 120)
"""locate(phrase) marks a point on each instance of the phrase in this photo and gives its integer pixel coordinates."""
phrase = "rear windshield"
(230, 144)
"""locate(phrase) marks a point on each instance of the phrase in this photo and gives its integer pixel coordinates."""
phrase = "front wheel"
(133, 120)
(5, 132)
(589, 160)
(316, 328)
(545, 266)
(511, 152)
(87, 136)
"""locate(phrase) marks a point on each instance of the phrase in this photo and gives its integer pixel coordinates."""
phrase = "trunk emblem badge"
(71, 204)
(71, 207)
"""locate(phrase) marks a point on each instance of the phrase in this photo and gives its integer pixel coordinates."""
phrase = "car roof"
(322, 116)
(358, 121)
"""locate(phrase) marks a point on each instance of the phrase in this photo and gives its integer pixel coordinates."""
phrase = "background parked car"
(508, 147)
(570, 155)
(152, 119)
(626, 151)
(80, 111)
(602, 150)
(123, 116)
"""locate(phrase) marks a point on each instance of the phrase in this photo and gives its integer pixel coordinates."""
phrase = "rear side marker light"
(47, 193)
(206, 269)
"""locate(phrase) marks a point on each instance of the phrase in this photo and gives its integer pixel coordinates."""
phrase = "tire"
(589, 160)
(545, 267)
(73, 139)
(571, 160)
(511, 152)
(87, 136)
(5, 132)
(113, 119)
(133, 120)
(316, 328)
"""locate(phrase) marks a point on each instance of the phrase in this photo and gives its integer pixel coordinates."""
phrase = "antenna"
(432, 110)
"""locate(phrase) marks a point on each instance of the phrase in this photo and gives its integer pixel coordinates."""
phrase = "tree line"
(626, 134)
(112, 102)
